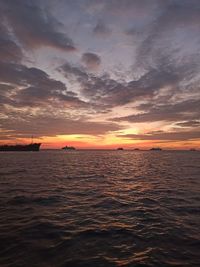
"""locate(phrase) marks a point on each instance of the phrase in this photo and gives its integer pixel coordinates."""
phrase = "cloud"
(34, 26)
(72, 72)
(126, 8)
(9, 50)
(92, 61)
(186, 110)
(173, 35)
(189, 124)
(103, 89)
(34, 103)
(33, 87)
(163, 86)
(49, 125)
(167, 136)
(101, 30)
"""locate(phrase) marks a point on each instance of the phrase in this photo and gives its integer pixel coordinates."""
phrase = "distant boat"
(29, 147)
(136, 149)
(156, 149)
(193, 149)
(68, 148)
(120, 148)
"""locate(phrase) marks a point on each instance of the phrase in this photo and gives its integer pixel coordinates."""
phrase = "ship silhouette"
(156, 149)
(29, 147)
(68, 148)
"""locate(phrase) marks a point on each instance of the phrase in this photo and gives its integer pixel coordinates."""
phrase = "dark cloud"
(9, 50)
(186, 110)
(34, 26)
(189, 124)
(165, 36)
(5, 90)
(171, 42)
(49, 125)
(23, 88)
(91, 60)
(97, 89)
(174, 34)
(167, 136)
(162, 66)
(73, 72)
(101, 30)
(111, 92)
(33, 87)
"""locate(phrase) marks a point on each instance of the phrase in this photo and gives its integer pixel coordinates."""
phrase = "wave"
(99, 209)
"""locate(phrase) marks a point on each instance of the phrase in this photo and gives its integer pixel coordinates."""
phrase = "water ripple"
(99, 208)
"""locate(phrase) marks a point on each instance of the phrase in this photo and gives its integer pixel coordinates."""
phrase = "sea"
(99, 208)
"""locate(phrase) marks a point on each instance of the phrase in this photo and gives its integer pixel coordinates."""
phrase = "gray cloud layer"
(167, 136)
(33, 26)
(9, 50)
(36, 87)
(47, 125)
(187, 110)
(165, 37)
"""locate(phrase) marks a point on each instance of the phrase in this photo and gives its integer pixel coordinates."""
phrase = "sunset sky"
(100, 73)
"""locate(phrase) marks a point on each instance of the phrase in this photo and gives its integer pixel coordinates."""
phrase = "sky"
(100, 74)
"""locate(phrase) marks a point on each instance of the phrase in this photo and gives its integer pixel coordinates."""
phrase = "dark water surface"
(99, 208)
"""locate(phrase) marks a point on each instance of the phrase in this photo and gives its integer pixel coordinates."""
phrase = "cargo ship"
(29, 147)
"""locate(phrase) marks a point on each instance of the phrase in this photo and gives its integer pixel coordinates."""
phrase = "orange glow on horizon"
(108, 141)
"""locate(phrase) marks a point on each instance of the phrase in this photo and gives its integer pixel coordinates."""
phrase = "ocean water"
(99, 208)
